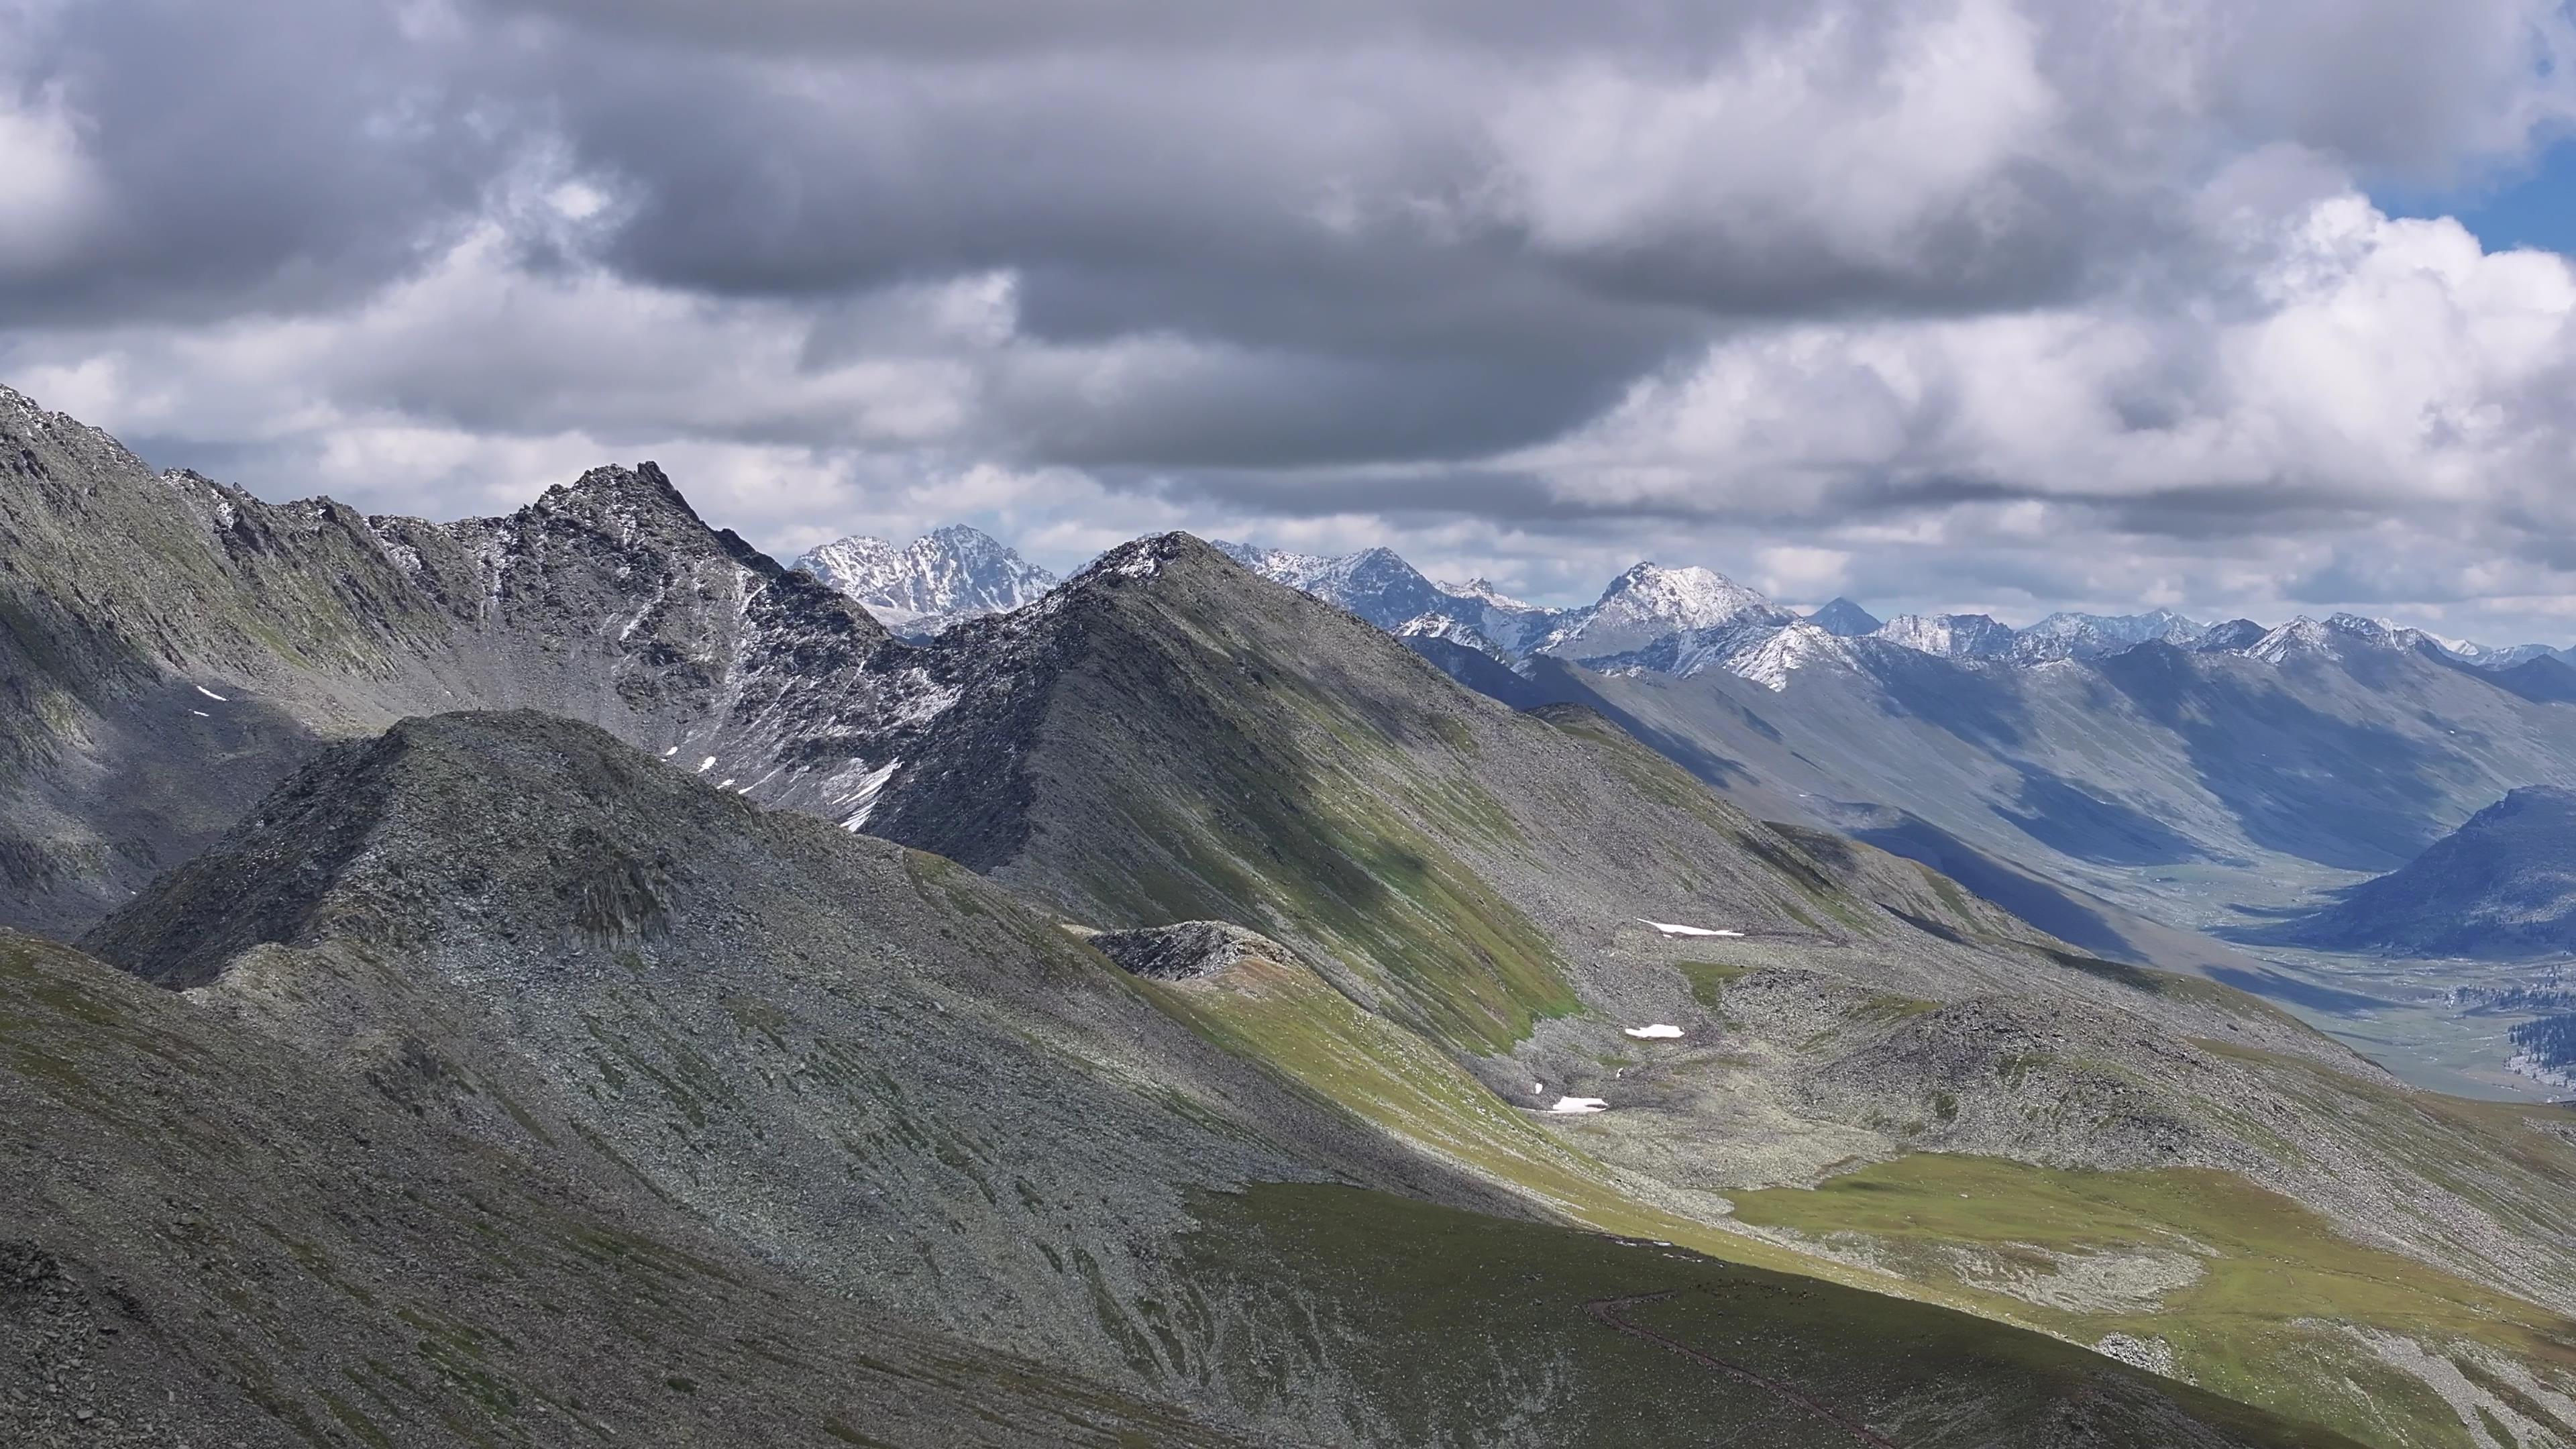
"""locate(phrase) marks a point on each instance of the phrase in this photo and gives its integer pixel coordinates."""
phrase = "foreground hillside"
(559, 1126)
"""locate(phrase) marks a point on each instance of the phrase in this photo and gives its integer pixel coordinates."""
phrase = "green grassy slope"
(1623, 1337)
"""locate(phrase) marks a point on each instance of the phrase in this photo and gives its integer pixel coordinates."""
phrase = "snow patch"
(673, 750)
(871, 786)
(1659, 1031)
(201, 714)
(1669, 929)
(706, 764)
(1578, 1106)
(210, 694)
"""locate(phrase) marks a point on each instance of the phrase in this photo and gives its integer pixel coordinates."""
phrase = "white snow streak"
(1578, 1106)
(1669, 929)
(210, 694)
(706, 764)
(1660, 1031)
(871, 785)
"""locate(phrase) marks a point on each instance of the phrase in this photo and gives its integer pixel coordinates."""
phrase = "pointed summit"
(1845, 620)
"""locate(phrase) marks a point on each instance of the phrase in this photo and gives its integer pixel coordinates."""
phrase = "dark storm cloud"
(274, 154)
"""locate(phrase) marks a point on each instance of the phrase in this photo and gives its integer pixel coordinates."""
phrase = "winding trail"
(1607, 1310)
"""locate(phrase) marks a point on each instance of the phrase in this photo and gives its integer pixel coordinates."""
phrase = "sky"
(2232, 307)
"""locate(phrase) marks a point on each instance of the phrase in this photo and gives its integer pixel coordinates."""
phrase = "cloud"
(1973, 300)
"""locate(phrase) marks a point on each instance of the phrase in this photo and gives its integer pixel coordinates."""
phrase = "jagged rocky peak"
(2300, 636)
(1845, 619)
(949, 574)
(1803, 645)
(613, 484)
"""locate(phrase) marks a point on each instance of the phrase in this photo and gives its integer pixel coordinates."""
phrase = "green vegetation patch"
(2273, 1277)
(1709, 979)
(1579, 1338)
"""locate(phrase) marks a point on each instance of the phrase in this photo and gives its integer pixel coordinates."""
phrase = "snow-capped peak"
(1785, 651)
(953, 572)
(1650, 603)
(2095, 636)
(1952, 636)
(1690, 597)
(2301, 635)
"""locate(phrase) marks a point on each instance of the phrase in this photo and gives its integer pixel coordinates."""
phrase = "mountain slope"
(1481, 1007)
(1167, 738)
(214, 1238)
(2502, 885)
(575, 949)
(911, 1100)
(2176, 783)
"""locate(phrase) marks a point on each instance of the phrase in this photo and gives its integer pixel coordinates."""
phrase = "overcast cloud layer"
(1984, 303)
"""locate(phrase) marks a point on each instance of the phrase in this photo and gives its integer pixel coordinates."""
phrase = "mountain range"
(566, 977)
(2115, 777)
(1670, 620)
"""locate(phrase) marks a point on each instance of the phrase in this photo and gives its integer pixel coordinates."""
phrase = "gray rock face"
(1185, 951)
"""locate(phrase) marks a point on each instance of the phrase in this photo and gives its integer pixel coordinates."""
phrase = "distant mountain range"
(2044, 764)
(1684, 620)
(1689, 620)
